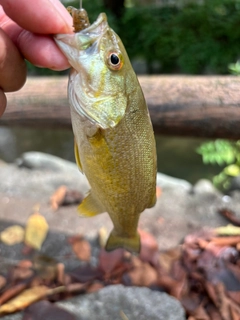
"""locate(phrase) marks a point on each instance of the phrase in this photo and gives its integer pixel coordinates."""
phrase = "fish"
(114, 140)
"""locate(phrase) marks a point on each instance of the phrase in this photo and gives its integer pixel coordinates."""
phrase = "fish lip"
(101, 19)
(69, 39)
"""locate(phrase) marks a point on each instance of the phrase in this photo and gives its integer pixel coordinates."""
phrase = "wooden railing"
(179, 105)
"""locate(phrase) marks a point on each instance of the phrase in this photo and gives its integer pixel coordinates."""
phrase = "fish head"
(102, 76)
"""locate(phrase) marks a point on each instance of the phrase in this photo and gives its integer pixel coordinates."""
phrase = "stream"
(176, 155)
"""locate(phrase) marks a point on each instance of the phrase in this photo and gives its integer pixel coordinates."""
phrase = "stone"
(234, 184)
(204, 186)
(117, 301)
(167, 182)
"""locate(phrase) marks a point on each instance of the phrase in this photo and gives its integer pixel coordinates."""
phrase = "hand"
(25, 33)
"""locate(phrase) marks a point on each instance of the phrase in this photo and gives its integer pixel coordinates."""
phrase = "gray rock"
(15, 316)
(38, 175)
(234, 184)
(116, 301)
(44, 161)
(204, 186)
(166, 182)
(133, 302)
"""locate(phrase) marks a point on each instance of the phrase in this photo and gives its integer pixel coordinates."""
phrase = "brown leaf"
(24, 299)
(230, 215)
(12, 292)
(108, 261)
(60, 273)
(166, 258)
(72, 197)
(76, 287)
(3, 282)
(44, 310)
(12, 235)
(81, 248)
(86, 273)
(45, 267)
(149, 246)
(142, 274)
(36, 231)
(96, 286)
(57, 197)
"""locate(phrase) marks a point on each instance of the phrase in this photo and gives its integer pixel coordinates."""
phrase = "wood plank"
(179, 105)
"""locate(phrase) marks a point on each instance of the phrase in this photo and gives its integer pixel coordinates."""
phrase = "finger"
(39, 16)
(38, 49)
(12, 65)
(42, 51)
(3, 102)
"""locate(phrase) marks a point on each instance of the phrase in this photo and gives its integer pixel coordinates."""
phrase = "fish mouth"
(90, 34)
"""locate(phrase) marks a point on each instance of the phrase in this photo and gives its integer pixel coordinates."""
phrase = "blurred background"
(192, 37)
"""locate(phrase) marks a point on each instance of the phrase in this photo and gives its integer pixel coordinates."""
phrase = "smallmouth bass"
(114, 141)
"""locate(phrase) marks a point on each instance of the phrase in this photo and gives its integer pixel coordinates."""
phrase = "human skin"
(26, 29)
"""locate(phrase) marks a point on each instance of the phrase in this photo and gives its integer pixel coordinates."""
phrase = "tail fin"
(131, 244)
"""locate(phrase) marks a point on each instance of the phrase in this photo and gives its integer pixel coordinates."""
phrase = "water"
(176, 155)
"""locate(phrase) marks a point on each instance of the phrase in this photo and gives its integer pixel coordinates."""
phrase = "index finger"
(39, 16)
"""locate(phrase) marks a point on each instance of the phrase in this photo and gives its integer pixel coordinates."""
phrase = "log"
(179, 105)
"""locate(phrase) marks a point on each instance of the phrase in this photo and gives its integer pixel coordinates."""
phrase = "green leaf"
(233, 170)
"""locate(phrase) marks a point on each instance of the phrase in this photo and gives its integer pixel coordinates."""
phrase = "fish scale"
(114, 141)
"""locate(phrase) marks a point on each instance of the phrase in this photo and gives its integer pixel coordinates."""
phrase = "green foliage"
(194, 39)
(222, 152)
(235, 68)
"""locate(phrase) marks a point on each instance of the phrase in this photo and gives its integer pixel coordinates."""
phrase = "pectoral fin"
(77, 156)
(90, 206)
(131, 244)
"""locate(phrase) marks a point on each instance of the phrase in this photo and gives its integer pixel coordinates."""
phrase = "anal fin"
(131, 244)
(90, 206)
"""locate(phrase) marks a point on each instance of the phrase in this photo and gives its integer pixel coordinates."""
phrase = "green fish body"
(114, 141)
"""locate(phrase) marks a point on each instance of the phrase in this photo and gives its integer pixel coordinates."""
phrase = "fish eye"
(114, 60)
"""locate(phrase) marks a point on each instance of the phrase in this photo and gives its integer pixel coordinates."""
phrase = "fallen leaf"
(96, 286)
(149, 246)
(102, 237)
(12, 235)
(166, 258)
(86, 273)
(27, 297)
(47, 311)
(108, 261)
(230, 215)
(72, 197)
(45, 267)
(36, 231)
(58, 197)
(3, 282)
(81, 248)
(229, 230)
(142, 274)
(226, 241)
(12, 292)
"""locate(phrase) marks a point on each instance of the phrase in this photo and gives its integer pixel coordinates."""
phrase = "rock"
(166, 182)
(204, 186)
(118, 302)
(44, 161)
(234, 184)
(113, 302)
(38, 175)
(15, 316)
